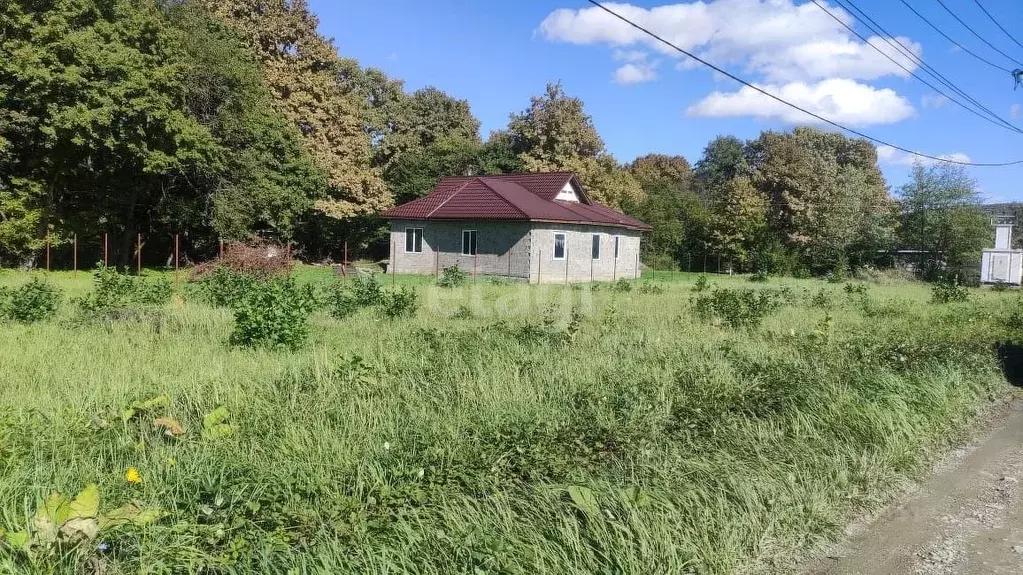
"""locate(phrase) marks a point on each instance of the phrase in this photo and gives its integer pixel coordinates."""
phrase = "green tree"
(941, 216)
(304, 74)
(739, 221)
(91, 95)
(555, 133)
(723, 160)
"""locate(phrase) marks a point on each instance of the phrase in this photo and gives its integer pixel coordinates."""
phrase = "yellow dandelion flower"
(132, 476)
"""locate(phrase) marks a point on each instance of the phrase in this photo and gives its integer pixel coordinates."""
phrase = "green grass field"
(491, 433)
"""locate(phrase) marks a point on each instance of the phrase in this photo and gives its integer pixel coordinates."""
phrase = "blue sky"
(496, 54)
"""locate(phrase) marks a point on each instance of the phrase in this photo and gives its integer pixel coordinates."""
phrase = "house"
(1002, 264)
(539, 227)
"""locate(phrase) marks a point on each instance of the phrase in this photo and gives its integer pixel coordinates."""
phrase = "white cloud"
(775, 39)
(840, 100)
(1014, 111)
(889, 155)
(634, 73)
(933, 100)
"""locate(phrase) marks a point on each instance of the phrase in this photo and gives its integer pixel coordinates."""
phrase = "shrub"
(34, 301)
(223, 287)
(948, 291)
(737, 308)
(821, 299)
(399, 303)
(113, 290)
(463, 312)
(758, 277)
(854, 289)
(273, 314)
(651, 288)
(622, 285)
(1000, 286)
(346, 298)
(701, 283)
(660, 261)
(452, 276)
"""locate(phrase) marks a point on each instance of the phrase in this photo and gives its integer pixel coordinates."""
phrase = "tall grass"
(635, 439)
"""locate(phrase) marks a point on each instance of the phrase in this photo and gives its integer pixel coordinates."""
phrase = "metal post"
(138, 256)
(614, 264)
(637, 264)
(106, 251)
(704, 262)
(566, 259)
(393, 252)
(346, 257)
(177, 279)
(47, 251)
(719, 263)
(591, 259)
(221, 248)
(539, 258)
(509, 262)
(75, 256)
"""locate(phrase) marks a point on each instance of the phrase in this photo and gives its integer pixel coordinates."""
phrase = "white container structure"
(1002, 264)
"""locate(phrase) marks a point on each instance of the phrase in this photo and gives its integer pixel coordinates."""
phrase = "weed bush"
(1000, 286)
(948, 291)
(650, 288)
(401, 302)
(256, 258)
(273, 314)
(738, 308)
(622, 286)
(113, 290)
(758, 277)
(452, 276)
(222, 287)
(701, 283)
(854, 289)
(34, 301)
(347, 297)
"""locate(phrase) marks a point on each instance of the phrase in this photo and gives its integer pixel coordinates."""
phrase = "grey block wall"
(578, 266)
(518, 249)
(502, 248)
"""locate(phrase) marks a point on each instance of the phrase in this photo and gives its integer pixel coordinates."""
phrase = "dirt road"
(966, 518)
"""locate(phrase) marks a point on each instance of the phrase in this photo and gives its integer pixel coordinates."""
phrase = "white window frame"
(414, 251)
(617, 241)
(564, 246)
(600, 248)
(474, 239)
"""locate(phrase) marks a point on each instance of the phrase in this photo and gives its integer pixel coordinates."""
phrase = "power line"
(889, 37)
(909, 54)
(974, 32)
(961, 47)
(790, 104)
(997, 23)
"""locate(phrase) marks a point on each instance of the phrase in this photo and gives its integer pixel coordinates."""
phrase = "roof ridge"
(447, 199)
(483, 180)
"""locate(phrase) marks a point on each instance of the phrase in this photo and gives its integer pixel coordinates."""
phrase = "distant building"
(539, 227)
(1002, 264)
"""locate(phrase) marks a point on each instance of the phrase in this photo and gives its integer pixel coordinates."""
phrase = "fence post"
(177, 279)
(566, 259)
(509, 262)
(74, 257)
(221, 248)
(106, 251)
(345, 263)
(392, 262)
(47, 251)
(637, 263)
(138, 256)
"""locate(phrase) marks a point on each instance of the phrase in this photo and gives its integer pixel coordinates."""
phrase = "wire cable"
(974, 32)
(997, 23)
(790, 104)
(960, 46)
(910, 55)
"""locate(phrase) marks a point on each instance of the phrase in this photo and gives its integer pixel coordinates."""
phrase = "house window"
(616, 246)
(559, 246)
(413, 240)
(595, 250)
(468, 242)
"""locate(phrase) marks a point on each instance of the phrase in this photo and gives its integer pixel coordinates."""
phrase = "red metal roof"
(526, 196)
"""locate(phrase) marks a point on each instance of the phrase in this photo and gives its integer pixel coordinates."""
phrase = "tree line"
(227, 119)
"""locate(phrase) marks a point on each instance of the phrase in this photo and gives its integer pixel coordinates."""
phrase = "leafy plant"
(401, 302)
(273, 314)
(215, 424)
(821, 299)
(62, 522)
(463, 312)
(1000, 286)
(650, 288)
(758, 277)
(223, 286)
(113, 290)
(854, 289)
(452, 276)
(346, 298)
(622, 286)
(738, 308)
(948, 291)
(701, 284)
(34, 301)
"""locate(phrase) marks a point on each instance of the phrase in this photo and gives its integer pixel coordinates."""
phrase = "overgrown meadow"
(679, 423)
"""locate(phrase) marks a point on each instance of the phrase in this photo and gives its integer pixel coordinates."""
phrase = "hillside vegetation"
(667, 425)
